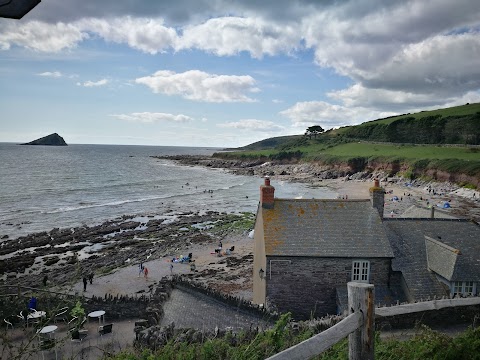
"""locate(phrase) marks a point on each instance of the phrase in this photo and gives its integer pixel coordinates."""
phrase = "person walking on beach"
(84, 283)
(171, 268)
(90, 278)
(145, 273)
(140, 269)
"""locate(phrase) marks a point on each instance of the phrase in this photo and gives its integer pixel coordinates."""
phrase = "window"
(464, 288)
(361, 271)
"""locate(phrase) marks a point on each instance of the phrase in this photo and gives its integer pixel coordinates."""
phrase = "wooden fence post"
(361, 298)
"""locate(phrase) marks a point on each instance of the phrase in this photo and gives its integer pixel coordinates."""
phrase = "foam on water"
(83, 185)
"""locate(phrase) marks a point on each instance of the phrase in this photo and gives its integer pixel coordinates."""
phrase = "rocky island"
(51, 140)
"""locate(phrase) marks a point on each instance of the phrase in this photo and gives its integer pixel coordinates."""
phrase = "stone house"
(306, 250)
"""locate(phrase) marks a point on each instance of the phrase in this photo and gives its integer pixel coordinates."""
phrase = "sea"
(46, 187)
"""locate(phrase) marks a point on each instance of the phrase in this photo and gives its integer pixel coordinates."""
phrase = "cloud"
(411, 46)
(150, 118)
(329, 115)
(226, 36)
(54, 74)
(200, 86)
(441, 65)
(360, 96)
(145, 34)
(93, 83)
(253, 124)
(179, 12)
(39, 36)
(413, 52)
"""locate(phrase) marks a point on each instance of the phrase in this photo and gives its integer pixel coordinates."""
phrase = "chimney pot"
(267, 194)
(377, 197)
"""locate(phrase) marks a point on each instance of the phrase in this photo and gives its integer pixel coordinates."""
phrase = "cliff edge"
(52, 140)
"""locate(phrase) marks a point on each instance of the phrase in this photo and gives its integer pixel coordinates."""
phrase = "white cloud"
(144, 34)
(411, 46)
(39, 36)
(232, 35)
(54, 74)
(441, 65)
(93, 83)
(150, 118)
(360, 96)
(200, 86)
(329, 115)
(253, 124)
(400, 55)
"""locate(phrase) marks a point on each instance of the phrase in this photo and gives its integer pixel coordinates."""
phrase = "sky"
(227, 73)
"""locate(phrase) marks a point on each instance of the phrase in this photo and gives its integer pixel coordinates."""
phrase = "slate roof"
(324, 228)
(441, 258)
(407, 238)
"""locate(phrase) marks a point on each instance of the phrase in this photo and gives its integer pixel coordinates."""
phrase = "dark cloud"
(176, 13)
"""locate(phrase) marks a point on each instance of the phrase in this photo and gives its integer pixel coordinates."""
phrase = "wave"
(232, 186)
(83, 205)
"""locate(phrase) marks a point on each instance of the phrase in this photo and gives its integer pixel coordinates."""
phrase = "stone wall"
(147, 307)
(239, 303)
(307, 286)
(118, 307)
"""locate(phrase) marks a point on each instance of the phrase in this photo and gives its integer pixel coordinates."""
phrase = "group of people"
(86, 279)
(219, 250)
(142, 270)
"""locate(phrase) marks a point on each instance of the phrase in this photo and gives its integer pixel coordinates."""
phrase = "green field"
(350, 150)
(404, 151)
(452, 111)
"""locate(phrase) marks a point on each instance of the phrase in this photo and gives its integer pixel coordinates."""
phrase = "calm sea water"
(43, 187)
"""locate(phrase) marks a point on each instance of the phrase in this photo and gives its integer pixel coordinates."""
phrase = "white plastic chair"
(61, 315)
(8, 323)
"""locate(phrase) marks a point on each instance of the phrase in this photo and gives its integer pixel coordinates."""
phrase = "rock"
(52, 139)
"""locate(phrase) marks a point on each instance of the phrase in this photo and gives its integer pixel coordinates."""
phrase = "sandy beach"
(232, 274)
(116, 267)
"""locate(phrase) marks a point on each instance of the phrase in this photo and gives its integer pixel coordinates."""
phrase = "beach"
(119, 246)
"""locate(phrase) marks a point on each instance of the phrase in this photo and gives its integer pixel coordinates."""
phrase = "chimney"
(377, 197)
(267, 193)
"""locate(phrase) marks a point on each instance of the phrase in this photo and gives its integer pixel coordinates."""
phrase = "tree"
(313, 130)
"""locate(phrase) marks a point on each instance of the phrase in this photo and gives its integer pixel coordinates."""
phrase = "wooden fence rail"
(359, 325)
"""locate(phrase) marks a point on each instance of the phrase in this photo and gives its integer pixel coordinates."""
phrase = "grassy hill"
(461, 110)
(270, 143)
(443, 144)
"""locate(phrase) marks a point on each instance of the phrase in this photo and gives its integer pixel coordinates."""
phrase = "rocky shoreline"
(339, 177)
(65, 255)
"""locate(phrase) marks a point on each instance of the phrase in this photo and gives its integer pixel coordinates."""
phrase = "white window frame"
(361, 271)
(464, 288)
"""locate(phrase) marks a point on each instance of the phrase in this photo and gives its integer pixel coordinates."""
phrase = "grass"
(403, 151)
(427, 344)
(235, 223)
(364, 149)
(452, 111)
